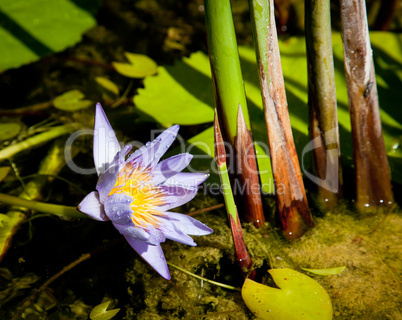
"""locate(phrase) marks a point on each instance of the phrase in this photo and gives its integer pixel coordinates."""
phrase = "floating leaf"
(8, 224)
(13, 287)
(108, 85)
(4, 172)
(298, 297)
(9, 130)
(326, 272)
(140, 66)
(71, 101)
(31, 29)
(99, 312)
(183, 94)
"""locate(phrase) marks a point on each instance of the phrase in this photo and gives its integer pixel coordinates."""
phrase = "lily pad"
(9, 130)
(4, 171)
(327, 271)
(108, 85)
(139, 67)
(298, 297)
(31, 29)
(8, 225)
(71, 101)
(100, 313)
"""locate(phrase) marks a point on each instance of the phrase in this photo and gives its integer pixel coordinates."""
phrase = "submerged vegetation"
(295, 188)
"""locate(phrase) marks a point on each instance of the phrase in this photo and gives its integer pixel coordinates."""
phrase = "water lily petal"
(105, 144)
(166, 139)
(188, 225)
(155, 236)
(131, 231)
(170, 167)
(186, 179)
(107, 180)
(92, 207)
(175, 196)
(173, 233)
(117, 208)
(151, 254)
(151, 153)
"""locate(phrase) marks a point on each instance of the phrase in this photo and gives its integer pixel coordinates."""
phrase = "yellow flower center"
(145, 196)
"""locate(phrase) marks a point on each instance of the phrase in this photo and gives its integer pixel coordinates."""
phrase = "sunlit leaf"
(108, 85)
(140, 66)
(4, 172)
(183, 94)
(8, 225)
(71, 101)
(100, 313)
(179, 94)
(298, 297)
(326, 272)
(9, 130)
(31, 29)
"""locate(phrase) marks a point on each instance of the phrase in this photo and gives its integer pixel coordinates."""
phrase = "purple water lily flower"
(135, 192)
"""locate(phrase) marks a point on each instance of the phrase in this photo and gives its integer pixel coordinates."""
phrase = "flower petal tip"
(92, 207)
(105, 144)
(151, 254)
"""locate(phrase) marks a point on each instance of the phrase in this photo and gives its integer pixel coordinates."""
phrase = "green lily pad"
(298, 297)
(327, 271)
(139, 67)
(71, 101)
(9, 130)
(31, 29)
(99, 312)
(8, 225)
(4, 171)
(182, 94)
(108, 85)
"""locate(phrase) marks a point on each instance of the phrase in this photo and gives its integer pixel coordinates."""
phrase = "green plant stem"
(204, 279)
(225, 66)
(51, 164)
(373, 176)
(323, 126)
(242, 255)
(34, 141)
(291, 200)
(230, 100)
(58, 210)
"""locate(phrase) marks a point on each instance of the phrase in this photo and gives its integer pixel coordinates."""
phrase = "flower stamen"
(135, 182)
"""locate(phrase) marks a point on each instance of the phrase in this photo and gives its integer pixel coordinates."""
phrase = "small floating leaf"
(298, 298)
(326, 272)
(99, 312)
(9, 130)
(8, 224)
(71, 101)
(4, 172)
(139, 67)
(108, 85)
